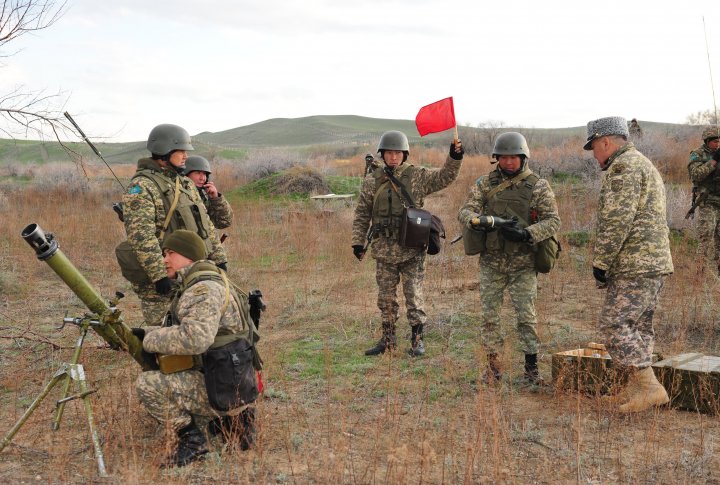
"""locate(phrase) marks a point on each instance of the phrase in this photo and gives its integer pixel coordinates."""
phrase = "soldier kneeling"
(207, 319)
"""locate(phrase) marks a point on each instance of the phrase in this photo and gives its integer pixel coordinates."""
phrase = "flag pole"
(456, 134)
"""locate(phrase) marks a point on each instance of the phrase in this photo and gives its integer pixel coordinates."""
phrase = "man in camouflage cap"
(200, 311)
(160, 200)
(380, 208)
(507, 256)
(631, 256)
(198, 170)
(705, 176)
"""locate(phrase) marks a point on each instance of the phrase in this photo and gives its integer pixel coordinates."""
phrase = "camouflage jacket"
(542, 202)
(424, 181)
(200, 317)
(632, 235)
(704, 175)
(144, 213)
(220, 211)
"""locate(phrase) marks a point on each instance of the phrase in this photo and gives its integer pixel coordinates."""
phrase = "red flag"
(435, 117)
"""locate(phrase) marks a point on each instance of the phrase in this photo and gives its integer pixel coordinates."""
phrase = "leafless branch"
(20, 17)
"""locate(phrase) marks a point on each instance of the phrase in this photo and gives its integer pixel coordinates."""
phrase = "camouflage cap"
(710, 133)
(186, 243)
(612, 125)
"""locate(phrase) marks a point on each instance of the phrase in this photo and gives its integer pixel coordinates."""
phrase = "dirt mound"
(300, 180)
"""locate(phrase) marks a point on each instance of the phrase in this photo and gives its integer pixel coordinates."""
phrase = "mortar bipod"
(67, 373)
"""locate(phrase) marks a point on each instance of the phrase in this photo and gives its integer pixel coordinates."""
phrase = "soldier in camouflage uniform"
(151, 195)
(379, 209)
(198, 170)
(631, 256)
(199, 312)
(705, 177)
(507, 260)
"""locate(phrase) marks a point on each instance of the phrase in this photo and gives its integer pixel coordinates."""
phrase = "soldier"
(706, 188)
(200, 314)
(159, 201)
(198, 170)
(634, 130)
(631, 256)
(379, 208)
(507, 260)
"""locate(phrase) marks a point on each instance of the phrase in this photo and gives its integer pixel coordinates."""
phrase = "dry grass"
(331, 415)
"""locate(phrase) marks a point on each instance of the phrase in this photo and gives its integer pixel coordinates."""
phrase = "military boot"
(417, 347)
(493, 372)
(240, 428)
(532, 374)
(644, 391)
(191, 446)
(387, 342)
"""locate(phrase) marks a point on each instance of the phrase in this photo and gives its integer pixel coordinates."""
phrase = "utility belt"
(170, 364)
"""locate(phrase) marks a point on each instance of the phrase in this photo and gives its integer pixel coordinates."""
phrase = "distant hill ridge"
(273, 133)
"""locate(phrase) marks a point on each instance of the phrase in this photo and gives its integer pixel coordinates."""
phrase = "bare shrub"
(301, 180)
(63, 175)
(261, 163)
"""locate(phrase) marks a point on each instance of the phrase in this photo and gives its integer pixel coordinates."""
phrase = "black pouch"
(415, 228)
(230, 377)
(437, 234)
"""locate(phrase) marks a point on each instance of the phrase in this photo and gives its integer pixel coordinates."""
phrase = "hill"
(295, 133)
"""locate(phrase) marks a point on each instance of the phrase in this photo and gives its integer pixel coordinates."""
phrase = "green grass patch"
(309, 358)
(578, 239)
(344, 185)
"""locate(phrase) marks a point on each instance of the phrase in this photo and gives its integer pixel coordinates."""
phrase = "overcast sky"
(128, 65)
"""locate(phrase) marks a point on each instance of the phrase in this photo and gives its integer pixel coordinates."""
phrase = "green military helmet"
(511, 143)
(394, 140)
(166, 138)
(196, 163)
(710, 133)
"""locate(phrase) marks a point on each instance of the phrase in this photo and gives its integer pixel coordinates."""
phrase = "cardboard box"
(692, 381)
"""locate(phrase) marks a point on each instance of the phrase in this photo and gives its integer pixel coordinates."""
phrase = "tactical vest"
(512, 202)
(207, 271)
(387, 205)
(188, 214)
(711, 185)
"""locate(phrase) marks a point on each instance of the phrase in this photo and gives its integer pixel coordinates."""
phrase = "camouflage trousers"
(173, 399)
(708, 232)
(154, 305)
(388, 276)
(521, 285)
(626, 319)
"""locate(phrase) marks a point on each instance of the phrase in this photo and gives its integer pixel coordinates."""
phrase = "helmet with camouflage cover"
(196, 163)
(511, 143)
(394, 140)
(710, 133)
(166, 138)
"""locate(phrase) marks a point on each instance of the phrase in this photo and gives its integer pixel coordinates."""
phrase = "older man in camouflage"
(631, 256)
(200, 311)
(705, 177)
(198, 170)
(380, 208)
(507, 256)
(159, 201)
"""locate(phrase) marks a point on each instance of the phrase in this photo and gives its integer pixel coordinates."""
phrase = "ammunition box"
(692, 381)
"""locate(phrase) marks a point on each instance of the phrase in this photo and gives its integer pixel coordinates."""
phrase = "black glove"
(456, 155)
(138, 332)
(163, 286)
(716, 155)
(599, 274)
(515, 234)
(358, 251)
(222, 266)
